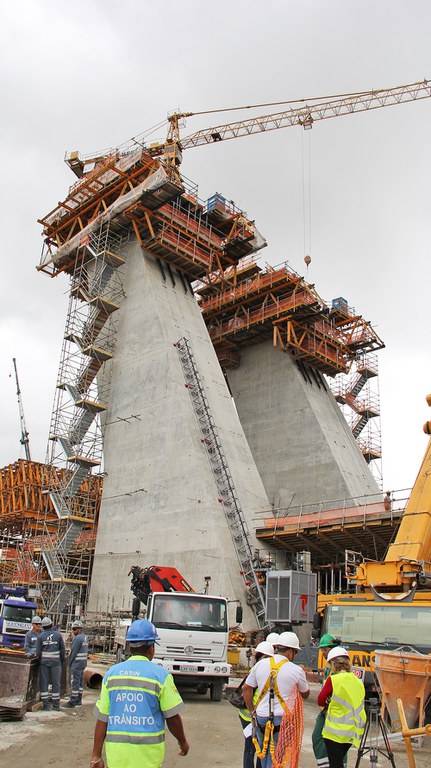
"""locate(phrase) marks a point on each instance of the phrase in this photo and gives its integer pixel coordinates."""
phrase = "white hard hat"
(264, 647)
(77, 624)
(336, 652)
(288, 640)
(36, 620)
(273, 637)
(46, 622)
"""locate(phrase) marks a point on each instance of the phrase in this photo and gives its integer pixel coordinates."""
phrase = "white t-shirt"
(288, 677)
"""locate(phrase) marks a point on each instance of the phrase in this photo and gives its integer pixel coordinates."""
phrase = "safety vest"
(345, 718)
(245, 713)
(135, 698)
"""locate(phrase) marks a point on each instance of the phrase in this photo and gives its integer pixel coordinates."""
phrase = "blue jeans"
(260, 731)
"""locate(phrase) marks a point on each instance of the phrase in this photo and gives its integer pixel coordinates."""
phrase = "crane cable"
(306, 195)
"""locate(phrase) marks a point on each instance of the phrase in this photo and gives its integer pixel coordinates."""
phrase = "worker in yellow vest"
(343, 694)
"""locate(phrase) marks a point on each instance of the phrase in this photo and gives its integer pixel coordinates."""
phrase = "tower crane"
(24, 434)
(303, 112)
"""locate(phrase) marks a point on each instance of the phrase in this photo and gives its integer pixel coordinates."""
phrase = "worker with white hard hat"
(272, 638)
(51, 653)
(282, 686)
(77, 661)
(32, 635)
(343, 694)
(262, 650)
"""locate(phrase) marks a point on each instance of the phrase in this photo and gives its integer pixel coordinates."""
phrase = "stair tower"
(76, 434)
(358, 396)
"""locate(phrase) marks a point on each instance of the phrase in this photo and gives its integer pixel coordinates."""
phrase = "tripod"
(373, 727)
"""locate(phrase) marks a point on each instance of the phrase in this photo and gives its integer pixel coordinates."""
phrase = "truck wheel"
(217, 690)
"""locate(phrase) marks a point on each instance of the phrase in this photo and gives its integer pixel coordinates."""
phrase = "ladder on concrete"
(225, 485)
(82, 398)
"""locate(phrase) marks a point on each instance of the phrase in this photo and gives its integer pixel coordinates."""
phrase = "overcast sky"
(91, 74)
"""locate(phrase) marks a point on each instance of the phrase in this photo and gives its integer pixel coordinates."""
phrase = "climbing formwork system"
(28, 519)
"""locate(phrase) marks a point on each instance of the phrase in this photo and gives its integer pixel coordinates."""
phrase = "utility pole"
(24, 434)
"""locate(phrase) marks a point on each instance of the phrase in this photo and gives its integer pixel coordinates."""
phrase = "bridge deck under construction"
(367, 528)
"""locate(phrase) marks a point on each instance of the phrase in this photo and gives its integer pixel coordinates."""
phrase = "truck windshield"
(197, 613)
(17, 613)
(402, 625)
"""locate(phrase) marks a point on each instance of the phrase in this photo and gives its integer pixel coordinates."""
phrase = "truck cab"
(16, 613)
(193, 630)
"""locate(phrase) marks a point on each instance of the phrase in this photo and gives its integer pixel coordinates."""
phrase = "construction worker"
(32, 635)
(326, 643)
(77, 661)
(51, 653)
(282, 686)
(262, 650)
(136, 699)
(343, 694)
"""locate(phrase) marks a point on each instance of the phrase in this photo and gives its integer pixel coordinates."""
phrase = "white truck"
(193, 628)
(193, 631)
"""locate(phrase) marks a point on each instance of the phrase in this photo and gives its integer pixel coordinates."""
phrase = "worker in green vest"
(343, 694)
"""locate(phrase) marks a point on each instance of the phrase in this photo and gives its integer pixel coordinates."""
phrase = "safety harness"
(271, 685)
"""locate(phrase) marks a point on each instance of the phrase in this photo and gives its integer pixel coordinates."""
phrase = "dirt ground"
(64, 739)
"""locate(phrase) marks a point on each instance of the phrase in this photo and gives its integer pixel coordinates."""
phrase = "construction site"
(214, 414)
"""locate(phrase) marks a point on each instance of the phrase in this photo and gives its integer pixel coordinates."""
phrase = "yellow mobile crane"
(390, 602)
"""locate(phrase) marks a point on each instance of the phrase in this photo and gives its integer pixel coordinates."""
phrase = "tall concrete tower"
(186, 471)
(161, 501)
(303, 447)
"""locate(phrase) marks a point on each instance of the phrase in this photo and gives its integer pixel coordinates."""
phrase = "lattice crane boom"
(24, 434)
(303, 114)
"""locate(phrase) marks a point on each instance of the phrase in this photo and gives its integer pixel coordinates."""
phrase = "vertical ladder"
(223, 478)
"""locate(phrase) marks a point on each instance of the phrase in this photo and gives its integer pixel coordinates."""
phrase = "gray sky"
(90, 75)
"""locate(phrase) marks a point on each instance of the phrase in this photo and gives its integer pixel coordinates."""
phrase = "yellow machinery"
(390, 606)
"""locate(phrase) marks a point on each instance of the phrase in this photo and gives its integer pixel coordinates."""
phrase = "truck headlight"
(217, 669)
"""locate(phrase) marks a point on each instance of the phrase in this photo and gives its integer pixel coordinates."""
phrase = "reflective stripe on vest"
(345, 718)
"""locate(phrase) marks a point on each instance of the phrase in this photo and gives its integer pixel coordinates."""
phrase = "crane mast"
(24, 434)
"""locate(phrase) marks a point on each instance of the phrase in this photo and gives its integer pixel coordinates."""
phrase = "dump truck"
(193, 628)
(388, 604)
(16, 613)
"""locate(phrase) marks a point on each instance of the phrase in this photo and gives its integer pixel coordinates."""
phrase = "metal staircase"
(76, 440)
(223, 478)
(360, 405)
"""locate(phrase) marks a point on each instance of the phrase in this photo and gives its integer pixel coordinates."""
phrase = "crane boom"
(304, 115)
(24, 434)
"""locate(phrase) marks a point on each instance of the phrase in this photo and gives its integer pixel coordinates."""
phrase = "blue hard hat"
(142, 631)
